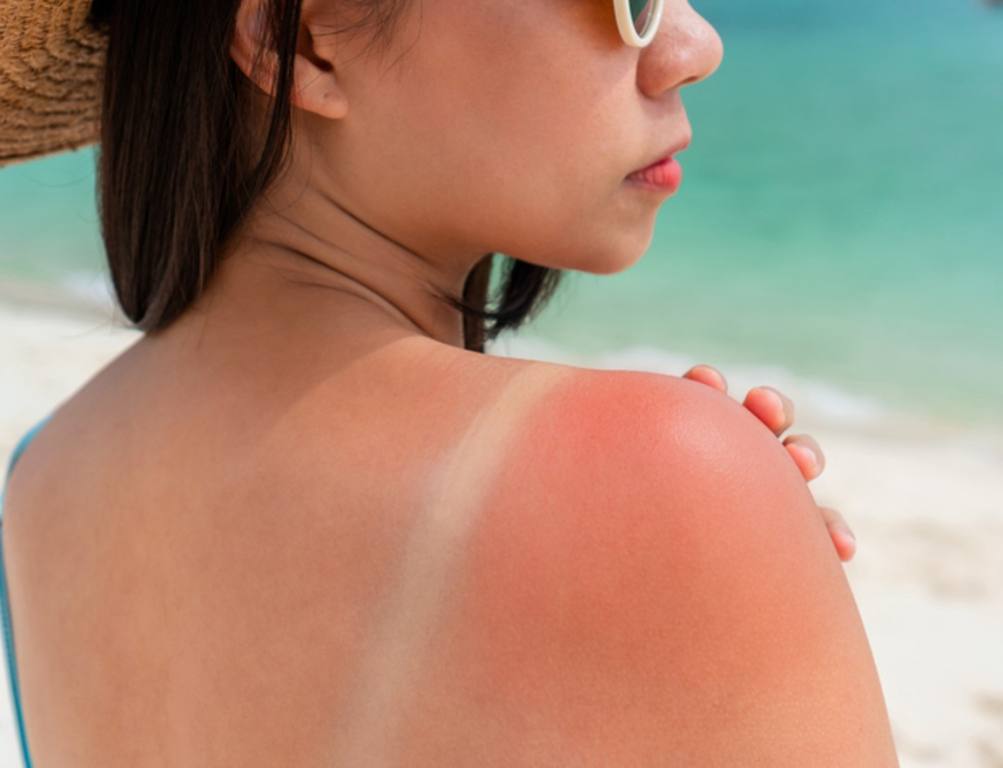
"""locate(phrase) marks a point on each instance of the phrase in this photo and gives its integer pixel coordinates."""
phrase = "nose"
(686, 49)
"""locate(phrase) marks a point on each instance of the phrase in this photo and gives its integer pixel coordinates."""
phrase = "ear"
(315, 86)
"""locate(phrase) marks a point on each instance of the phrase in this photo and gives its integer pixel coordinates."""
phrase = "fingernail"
(713, 372)
(812, 458)
(775, 399)
(847, 533)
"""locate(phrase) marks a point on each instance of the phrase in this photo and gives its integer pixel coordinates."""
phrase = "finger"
(709, 375)
(804, 460)
(834, 518)
(771, 407)
(845, 546)
(840, 533)
(807, 454)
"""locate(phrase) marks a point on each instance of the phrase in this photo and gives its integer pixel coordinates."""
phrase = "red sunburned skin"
(664, 175)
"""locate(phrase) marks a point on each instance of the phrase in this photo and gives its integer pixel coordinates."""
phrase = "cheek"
(542, 180)
(523, 148)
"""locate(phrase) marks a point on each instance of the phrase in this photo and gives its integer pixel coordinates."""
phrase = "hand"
(776, 411)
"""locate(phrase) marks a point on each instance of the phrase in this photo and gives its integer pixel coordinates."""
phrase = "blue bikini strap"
(23, 443)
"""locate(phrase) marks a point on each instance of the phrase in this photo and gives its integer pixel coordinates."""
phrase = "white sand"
(926, 505)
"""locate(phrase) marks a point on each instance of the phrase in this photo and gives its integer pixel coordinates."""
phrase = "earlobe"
(315, 85)
(316, 89)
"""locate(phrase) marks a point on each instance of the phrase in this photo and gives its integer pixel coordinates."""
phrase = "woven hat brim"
(51, 64)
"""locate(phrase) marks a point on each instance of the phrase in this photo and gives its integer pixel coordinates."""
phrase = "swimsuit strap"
(23, 443)
(8, 629)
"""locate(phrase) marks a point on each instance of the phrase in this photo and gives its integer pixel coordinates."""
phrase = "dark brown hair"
(178, 169)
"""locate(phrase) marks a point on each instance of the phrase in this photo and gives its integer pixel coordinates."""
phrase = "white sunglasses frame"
(626, 22)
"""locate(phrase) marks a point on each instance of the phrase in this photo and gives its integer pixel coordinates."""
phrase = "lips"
(663, 158)
(662, 177)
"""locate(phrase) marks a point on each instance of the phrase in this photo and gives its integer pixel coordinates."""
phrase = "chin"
(614, 260)
(614, 267)
(593, 256)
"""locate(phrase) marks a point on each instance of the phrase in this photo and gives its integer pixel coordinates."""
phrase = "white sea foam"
(820, 399)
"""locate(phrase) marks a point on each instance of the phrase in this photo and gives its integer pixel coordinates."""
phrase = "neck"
(302, 243)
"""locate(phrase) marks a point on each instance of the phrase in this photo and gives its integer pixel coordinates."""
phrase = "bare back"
(280, 569)
(188, 551)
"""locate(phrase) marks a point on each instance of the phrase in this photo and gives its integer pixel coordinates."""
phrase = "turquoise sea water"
(841, 215)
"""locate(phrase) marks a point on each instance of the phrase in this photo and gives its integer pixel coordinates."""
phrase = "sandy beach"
(925, 502)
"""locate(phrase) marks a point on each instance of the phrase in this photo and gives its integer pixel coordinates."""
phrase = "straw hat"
(50, 77)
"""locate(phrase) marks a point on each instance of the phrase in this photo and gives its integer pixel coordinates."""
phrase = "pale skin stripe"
(395, 656)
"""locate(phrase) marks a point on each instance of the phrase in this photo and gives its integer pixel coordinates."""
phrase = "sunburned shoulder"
(598, 434)
(648, 581)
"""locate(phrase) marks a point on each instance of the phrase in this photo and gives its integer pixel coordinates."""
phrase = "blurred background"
(838, 235)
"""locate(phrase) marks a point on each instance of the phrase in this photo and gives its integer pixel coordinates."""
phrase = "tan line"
(394, 660)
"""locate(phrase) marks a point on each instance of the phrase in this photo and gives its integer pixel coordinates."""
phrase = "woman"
(304, 520)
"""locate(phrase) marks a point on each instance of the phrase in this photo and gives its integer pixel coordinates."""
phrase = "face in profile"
(504, 126)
